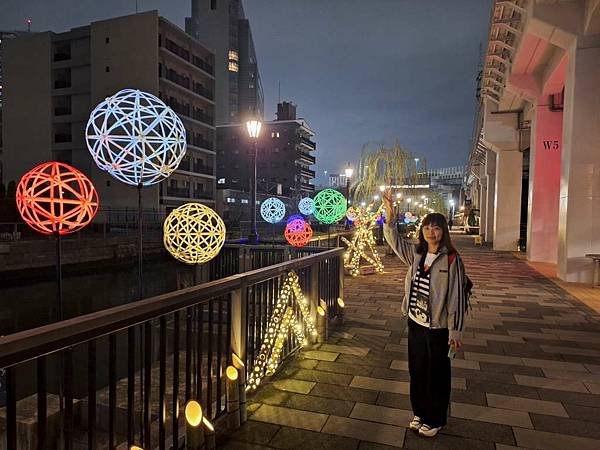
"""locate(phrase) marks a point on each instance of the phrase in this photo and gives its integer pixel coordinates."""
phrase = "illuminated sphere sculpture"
(295, 217)
(55, 198)
(193, 233)
(135, 137)
(306, 206)
(330, 206)
(272, 210)
(298, 233)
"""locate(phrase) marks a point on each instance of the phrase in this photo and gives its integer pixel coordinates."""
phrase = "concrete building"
(535, 160)
(283, 162)
(4, 37)
(54, 80)
(336, 180)
(222, 25)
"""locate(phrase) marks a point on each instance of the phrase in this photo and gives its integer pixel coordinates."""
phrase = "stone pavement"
(528, 377)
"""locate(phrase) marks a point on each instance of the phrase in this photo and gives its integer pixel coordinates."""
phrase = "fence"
(122, 375)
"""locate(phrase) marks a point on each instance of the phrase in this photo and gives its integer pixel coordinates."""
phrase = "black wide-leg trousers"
(429, 368)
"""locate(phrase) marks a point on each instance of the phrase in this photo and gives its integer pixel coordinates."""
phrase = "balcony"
(308, 158)
(62, 56)
(307, 187)
(62, 111)
(180, 80)
(184, 165)
(185, 54)
(308, 143)
(200, 115)
(178, 192)
(200, 63)
(203, 169)
(60, 138)
(62, 84)
(203, 91)
(201, 194)
(199, 142)
(307, 172)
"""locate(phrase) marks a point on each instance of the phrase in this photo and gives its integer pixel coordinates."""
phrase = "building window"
(230, 200)
(233, 55)
(221, 181)
(251, 86)
(107, 40)
(213, 4)
(233, 66)
(244, 200)
(107, 69)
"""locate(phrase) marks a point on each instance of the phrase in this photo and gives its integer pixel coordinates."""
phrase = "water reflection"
(32, 303)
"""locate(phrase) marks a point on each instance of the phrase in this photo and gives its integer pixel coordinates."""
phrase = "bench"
(596, 258)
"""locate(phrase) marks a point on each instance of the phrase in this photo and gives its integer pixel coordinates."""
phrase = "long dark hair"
(439, 220)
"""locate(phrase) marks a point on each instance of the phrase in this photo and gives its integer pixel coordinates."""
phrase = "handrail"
(25, 345)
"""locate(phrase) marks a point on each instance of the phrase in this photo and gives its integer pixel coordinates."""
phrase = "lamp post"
(349, 172)
(253, 127)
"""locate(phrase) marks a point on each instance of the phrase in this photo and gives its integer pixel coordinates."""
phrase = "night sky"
(360, 71)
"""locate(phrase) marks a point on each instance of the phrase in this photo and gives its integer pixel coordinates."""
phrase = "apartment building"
(53, 81)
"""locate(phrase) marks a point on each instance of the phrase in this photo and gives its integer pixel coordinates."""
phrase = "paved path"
(529, 375)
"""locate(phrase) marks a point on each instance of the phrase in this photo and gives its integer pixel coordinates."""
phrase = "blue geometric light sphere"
(272, 210)
(306, 206)
(136, 137)
(295, 217)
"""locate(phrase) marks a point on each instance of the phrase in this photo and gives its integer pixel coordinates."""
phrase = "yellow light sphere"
(193, 233)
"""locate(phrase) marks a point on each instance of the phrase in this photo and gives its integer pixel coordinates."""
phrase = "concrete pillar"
(490, 170)
(579, 210)
(482, 205)
(544, 183)
(507, 202)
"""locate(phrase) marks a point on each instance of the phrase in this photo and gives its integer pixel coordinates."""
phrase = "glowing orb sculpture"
(298, 233)
(272, 210)
(55, 198)
(193, 233)
(135, 137)
(295, 217)
(306, 206)
(330, 206)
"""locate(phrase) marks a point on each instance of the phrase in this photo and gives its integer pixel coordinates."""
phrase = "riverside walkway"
(528, 375)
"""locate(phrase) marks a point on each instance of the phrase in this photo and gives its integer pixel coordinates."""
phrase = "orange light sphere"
(55, 198)
(298, 233)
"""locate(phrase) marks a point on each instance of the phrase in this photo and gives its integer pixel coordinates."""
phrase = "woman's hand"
(456, 344)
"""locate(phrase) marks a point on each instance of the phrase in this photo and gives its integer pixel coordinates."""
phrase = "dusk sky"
(359, 71)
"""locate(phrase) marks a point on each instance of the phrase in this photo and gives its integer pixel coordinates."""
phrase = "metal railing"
(123, 374)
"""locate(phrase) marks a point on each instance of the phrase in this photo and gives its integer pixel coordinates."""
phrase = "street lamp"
(253, 127)
(349, 171)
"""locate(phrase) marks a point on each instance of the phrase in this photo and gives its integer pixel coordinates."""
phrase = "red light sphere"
(298, 233)
(55, 198)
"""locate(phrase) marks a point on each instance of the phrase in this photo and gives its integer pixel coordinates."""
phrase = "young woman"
(435, 303)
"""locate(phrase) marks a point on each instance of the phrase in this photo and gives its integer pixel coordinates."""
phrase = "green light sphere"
(330, 206)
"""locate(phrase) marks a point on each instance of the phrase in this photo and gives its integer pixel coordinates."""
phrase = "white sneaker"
(415, 424)
(428, 431)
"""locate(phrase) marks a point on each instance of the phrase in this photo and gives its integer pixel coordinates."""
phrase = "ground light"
(194, 433)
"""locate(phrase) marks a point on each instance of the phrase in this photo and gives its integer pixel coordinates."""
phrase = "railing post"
(341, 276)
(314, 291)
(239, 319)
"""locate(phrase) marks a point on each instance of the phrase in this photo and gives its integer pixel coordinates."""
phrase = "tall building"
(4, 36)
(54, 80)
(283, 157)
(222, 25)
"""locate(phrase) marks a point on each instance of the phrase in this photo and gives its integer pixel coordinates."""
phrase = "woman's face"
(432, 233)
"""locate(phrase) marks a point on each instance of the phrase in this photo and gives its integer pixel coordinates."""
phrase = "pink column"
(544, 183)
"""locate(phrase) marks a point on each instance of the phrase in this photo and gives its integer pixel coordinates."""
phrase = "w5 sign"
(551, 145)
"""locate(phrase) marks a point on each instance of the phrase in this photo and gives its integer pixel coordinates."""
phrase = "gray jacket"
(447, 300)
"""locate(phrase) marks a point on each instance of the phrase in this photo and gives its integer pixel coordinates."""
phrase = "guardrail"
(122, 375)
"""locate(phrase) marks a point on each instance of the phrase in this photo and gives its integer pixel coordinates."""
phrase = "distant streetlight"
(349, 171)
(382, 188)
(376, 197)
(398, 195)
(408, 200)
(253, 127)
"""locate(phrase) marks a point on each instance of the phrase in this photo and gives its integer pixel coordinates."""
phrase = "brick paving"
(528, 377)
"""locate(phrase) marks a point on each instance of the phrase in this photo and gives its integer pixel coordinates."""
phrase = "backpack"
(467, 285)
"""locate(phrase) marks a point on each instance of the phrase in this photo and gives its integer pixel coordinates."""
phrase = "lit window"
(278, 134)
(230, 200)
(251, 86)
(233, 66)
(244, 200)
(233, 55)
(221, 181)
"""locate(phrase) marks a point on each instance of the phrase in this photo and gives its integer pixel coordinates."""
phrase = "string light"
(330, 206)
(193, 233)
(363, 240)
(279, 325)
(54, 197)
(136, 137)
